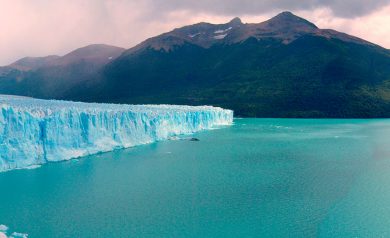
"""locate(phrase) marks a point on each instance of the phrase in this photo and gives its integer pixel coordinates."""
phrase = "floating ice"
(35, 131)
(18, 235)
(4, 230)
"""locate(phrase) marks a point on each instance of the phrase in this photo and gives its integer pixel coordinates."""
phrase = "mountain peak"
(94, 49)
(286, 14)
(92, 52)
(289, 19)
(31, 63)
(235, 21)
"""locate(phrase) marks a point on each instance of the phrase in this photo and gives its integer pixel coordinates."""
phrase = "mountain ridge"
(51, 76)
(283, 67)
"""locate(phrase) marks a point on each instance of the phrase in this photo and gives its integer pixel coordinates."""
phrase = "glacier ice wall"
(35, 131)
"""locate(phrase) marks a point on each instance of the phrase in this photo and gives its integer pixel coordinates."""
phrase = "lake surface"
(257, 178)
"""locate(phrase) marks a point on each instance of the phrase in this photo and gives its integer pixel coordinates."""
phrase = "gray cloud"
(341, 8)
(44, 27)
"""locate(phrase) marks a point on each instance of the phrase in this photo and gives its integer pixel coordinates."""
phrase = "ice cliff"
(35, 131)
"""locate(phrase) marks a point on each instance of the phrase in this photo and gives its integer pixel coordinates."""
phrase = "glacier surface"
(35, 131)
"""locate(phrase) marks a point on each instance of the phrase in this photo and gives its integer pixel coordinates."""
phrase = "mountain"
(32, 63)
(52, 76)
(98, 54)
(283, 67)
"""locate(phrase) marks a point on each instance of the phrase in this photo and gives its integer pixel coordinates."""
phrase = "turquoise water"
(258, 178)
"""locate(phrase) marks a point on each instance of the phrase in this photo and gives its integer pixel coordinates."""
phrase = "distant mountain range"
(283, 67)
(54, 76)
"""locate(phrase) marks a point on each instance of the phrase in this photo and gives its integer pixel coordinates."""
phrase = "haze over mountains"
(284, 67)
(54, 76)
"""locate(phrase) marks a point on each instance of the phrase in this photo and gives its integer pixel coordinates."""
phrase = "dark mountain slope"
(284, 67)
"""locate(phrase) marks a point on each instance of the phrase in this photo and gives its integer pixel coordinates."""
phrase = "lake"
(257, 178)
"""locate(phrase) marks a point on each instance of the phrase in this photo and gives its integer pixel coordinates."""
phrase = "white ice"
(34, 131)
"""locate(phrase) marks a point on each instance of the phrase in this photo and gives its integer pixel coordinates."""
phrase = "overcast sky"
(45, 27)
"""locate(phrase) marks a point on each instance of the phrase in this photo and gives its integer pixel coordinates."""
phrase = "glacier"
(37, 131)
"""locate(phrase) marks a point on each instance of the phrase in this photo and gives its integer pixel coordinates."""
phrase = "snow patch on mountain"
(220, 37)
(223, 31)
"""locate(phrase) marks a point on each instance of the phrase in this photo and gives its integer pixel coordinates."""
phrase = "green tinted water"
(258, 178)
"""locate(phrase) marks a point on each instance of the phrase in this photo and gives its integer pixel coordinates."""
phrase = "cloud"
(373, 27)
(44, 27)
(345, 8)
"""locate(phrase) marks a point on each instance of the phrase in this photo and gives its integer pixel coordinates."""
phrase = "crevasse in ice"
(35, 131)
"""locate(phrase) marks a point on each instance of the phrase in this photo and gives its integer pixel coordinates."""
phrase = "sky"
(47, 27)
